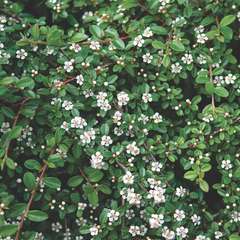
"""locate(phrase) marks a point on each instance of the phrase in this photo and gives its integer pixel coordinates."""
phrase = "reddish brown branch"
(15, 120)
(33, 193)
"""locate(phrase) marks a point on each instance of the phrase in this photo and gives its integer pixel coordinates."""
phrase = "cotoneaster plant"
(119, 120)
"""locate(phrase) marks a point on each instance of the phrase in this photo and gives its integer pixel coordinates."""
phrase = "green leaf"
(54, 37)
(209, 87)
(177, 46)
(158, 44)
(29, 180)
(127, 4)
(25, 82)
(105, 189)
(118, 43)
(52, 182)
(8, 230)
(55, 160)
(23, 42)
(190, 175)
(103, 216)
(35, 32)
(91, 194)
(227, 20)
(37, 216)
(16, 210)
(221, 91)
(104, 129)
(75, 181)
(227, 33)
(166, 61)
(206, 167)
(32, 164)
(8, 80)
(78, 37)
(94, 175)
(159, 30)
(204, 185)
(202, 79)
(234, 236)
(236, 173)
(14, 133)
(10, 163)
(96, 31)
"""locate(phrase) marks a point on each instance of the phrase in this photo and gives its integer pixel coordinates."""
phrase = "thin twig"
(33, 193)
(211, 80)
(85, 177)
(15, 120)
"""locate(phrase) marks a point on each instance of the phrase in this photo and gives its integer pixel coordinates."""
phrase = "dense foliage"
(119, 119)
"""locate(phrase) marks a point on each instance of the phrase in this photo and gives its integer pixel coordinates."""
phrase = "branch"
(15, 120)
(211, 80)
(33, 193)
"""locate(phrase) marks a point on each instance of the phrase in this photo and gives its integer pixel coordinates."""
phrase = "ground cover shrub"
(119, 119)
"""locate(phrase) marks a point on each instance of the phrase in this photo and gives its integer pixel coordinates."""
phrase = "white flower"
(87, 15)
(117, 116)
(95, 45)
(79, 79)
(78, 122)
(157, 194)
(164, 2)
(134, 230)
(94, 230)
(156, 220)
(138, 41)
(156, 166)
(128, 178)
(68, 65)
(196, 219)
(3, 19)
(133, 149)
(106, 141)
(75, 47)
(176, 68)
(21, 54)
(202, 38)
(187, 59)
(123, 98)
(180, 191)
(5, 127)
(56, 227)
(199, 29)
(235, 216)
(87, 136)
(226, 164)
(179, 215)
(67, 105)
(147, 58)
(182, 232)
(132, 197)
(2, 28)
(148, 32)
(113, 216)
(230, 79)
(147, 97)
(201, 59)
(168, 234)
(102, 102)
(179, 21)
(96, 161)
(157, 118)
(64, 126)
(218, 234)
